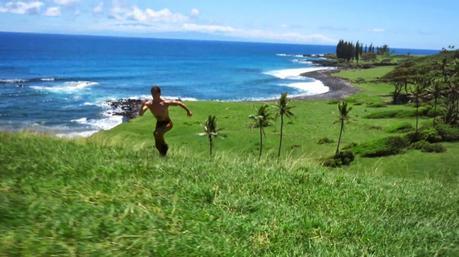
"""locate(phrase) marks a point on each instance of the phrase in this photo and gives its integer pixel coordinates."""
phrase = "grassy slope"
(61, 198)
(314, 120)
(82, 198)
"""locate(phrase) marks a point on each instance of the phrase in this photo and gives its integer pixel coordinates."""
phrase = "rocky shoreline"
(339, 88)
(128, 108)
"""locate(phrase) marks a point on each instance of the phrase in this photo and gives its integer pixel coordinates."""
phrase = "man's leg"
(160, 142)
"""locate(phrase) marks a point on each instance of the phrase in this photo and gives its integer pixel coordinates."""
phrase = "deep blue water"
(59, 83)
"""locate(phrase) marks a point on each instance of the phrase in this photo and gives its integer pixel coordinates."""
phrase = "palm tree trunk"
(210, 145)
(261, 141)
(417, 116)
(435, 110)
(281, 134)
(339, 139)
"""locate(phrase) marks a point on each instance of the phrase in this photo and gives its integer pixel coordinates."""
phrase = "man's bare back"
(160, 109)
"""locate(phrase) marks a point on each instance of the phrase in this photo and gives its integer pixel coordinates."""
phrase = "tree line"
(349, 51)
(432, 81)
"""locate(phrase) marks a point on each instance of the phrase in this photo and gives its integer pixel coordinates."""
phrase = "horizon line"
(195, 39)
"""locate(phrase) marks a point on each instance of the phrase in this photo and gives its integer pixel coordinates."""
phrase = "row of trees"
(434, 81)
(349, 51)
(264, 117)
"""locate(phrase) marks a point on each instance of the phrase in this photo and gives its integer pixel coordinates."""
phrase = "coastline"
(338, 87)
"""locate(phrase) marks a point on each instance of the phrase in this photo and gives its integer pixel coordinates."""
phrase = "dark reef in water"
(128, 108)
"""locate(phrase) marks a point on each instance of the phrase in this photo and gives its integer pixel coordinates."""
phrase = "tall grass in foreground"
(61, 198)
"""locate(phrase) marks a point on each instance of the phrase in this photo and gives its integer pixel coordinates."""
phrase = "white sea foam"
(12, 81)
(302, 61)
(315, 87)
(294, 74)
(290, 55)
(106, 123)
(47, 79)
(67, 87)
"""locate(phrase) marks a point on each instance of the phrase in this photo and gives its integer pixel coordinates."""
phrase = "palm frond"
(283, 107)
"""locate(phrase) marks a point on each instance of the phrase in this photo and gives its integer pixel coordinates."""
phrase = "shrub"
(427, 147)
(343, 158)
(325, 140)
(383, 147)
(447, 133)
(434, 148)
(419, 145)
(428, 134)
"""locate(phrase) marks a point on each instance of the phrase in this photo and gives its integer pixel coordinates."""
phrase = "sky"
(422, 24)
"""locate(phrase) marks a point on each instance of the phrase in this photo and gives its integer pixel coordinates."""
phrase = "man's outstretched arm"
(182, 105)
(143, 108)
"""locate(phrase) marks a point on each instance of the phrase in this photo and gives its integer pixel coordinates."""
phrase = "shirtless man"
(160, 109)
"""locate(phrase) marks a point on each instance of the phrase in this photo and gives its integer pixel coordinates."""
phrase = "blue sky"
(427, 24)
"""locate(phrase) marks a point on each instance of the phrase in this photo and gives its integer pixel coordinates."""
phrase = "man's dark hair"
(155, 89)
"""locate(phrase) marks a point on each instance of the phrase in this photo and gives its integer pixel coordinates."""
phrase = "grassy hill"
(313, 121)
(112, 195)
(62, 198)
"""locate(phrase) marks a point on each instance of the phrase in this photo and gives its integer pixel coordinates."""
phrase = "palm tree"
(261, 120)
(344, 110)
(417, 91)
(434, 92)
(210, 130)
(283, 109)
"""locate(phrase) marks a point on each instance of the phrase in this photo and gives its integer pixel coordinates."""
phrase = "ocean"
(59, 84)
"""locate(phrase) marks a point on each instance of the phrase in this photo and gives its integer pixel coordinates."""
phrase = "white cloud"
(21, 7)
(139, 20)
(292, 37)
(195, 12)
(377, 30)
(65, 2)
(147, 16)
(53, 11)
(98, 8)
(205, 28)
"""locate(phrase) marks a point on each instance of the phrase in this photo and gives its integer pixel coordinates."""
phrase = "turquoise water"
(59, 84)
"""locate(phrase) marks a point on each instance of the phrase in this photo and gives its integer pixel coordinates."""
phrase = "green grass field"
(112, 195)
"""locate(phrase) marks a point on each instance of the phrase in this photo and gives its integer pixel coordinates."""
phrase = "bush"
(419, 145)
(325, 140)
(343, 158)
(447, 133)
(383, 147)
(430, 135)
(434, 148)
(427, 147)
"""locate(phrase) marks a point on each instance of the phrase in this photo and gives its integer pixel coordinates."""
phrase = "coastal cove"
(71, 80)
